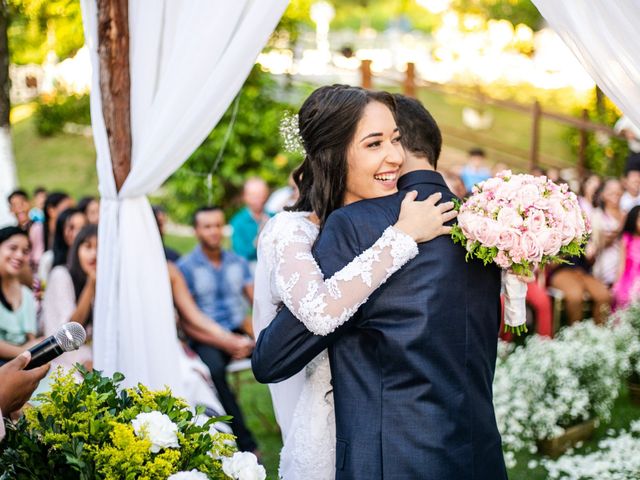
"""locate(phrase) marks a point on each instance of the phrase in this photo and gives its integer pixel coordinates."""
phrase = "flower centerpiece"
(520, 222)
(94, 429)
(550, 385)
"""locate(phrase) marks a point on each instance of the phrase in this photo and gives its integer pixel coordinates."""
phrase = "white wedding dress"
(288, 274)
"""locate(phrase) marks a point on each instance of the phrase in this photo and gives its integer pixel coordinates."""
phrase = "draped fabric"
(188, 59)
(602, 34)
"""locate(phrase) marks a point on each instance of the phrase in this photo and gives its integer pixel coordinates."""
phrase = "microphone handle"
(44, 352)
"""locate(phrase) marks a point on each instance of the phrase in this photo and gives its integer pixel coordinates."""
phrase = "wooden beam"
(115, 83)
(5, 104)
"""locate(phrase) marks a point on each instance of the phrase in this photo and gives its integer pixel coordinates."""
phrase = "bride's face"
(375, 155)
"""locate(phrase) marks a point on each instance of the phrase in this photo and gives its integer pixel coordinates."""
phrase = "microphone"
(67, 338)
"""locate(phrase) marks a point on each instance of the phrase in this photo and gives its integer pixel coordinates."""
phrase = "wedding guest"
(538, 299)
(631, 132)
(17, 304)
(90, 206)
(606, 223)
(627, 288)
(248, 222)
(43, 233)
(476, 169)
(71, 292)
(39, 198)
(218, 280)
(17, 385)
(161, 219)
(586, 195)
(68, 224)
(19, 207)
(631, 182)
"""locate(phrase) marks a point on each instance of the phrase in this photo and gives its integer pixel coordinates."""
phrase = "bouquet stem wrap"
(515, 310)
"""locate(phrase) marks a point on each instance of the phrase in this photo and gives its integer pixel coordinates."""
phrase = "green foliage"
(604, 155)
(83, 431)
(516, 11)
(38, 26)
(253, 149)
(52, 113)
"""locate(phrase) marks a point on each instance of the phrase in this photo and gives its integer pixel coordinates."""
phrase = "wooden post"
(535, 135)
(5, 105)
(115, 84)
(409, 86)
(365, 69)
(582, 148)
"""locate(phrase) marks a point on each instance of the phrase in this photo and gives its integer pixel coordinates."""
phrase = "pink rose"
(527, 195)
(568, 230)
(551, 241)
(517, 254)
(536, 220)
(509, 217)
(502, 260)
(466, 220)
(531, 247)
(508, 238)
(488, 233)
(492, 184)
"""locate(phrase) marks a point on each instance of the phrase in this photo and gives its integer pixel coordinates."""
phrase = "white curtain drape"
(188, 59)
(603, 35)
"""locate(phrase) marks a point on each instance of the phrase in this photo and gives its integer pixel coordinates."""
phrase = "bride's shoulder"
(288, 221)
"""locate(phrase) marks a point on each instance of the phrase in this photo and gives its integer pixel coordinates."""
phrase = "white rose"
(192, 475)
(158, 429)
(243, 466)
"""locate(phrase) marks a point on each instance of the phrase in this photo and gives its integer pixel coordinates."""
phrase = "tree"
(38, 26)
(253, 149)
(7, 163)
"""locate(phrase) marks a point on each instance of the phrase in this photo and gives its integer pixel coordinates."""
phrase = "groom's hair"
(420, 132)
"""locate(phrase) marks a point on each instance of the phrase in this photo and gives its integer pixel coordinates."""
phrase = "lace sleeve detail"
(324, 305)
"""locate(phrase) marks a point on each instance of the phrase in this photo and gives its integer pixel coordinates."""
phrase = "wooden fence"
(501, 151)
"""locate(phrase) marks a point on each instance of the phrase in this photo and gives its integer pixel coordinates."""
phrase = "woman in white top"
(352, 133)
(606, 224)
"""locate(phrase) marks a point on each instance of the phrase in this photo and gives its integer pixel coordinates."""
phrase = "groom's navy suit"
(413, 369)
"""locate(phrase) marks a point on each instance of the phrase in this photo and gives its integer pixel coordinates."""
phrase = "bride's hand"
(424, 220)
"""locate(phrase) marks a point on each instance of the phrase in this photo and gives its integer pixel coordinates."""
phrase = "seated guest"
(631, 181)
(42, 233)
(197, 326)
(17, 385)
(90, 206)
(17, 305)
(586, 197)
(574, 281)
(455, 183)
(248, 222)
(36, 214)
(476, 169)
(68, 224)
(627, 288)
(218, 280)
(606, 223)
(19, 207)
(70, 294)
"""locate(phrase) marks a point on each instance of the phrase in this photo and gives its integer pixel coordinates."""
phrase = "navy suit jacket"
(413, 369)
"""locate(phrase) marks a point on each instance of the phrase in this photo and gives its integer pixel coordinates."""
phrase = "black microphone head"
(70, 336)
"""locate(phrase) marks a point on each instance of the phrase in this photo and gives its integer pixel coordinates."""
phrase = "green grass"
(61, 162)
(256, 404)
(181, 244)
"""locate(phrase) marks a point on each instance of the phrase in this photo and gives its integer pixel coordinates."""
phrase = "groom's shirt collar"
(408, 180)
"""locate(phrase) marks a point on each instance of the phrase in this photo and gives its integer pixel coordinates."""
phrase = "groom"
(413, 369)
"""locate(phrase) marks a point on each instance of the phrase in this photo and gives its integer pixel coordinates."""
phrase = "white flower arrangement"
(157, 428)
(549, 385)
(616, 459)
(243, 466)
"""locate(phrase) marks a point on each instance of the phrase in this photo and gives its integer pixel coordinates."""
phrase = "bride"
(352, 134)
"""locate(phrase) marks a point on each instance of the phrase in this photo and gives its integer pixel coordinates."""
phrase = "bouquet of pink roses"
(520, 222)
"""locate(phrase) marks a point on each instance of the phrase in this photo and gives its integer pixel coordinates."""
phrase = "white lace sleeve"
(324, 305)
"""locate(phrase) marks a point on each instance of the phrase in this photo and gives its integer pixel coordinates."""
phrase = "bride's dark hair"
(328, 120)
